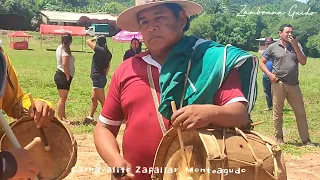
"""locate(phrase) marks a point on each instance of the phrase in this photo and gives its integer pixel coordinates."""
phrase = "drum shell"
(56, 163)
(204, 149)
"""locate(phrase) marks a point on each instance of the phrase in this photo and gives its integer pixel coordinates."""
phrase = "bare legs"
(61, 106)
(97, 95)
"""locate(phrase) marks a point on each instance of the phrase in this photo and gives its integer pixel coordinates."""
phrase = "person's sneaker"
(280, 141)
(268, 109)
(88, 120)
(309, 144)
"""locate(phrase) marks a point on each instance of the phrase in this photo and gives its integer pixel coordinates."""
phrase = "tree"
(227, 29)
(255, 2)
(25, 8)
(218, 6)
(202, 26)
(313, 46)
(114, 7)
(315, 5)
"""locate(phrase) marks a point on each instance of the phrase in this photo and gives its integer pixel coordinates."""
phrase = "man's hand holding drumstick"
(43, 136)
(41, 112)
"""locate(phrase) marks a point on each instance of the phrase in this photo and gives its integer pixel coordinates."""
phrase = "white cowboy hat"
(127, 20)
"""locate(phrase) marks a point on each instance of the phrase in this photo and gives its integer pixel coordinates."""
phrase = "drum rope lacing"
(259, 162)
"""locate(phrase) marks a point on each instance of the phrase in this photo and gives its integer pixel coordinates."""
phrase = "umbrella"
(126, 36)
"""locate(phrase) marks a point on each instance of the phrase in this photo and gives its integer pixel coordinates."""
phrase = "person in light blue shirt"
(265, 79)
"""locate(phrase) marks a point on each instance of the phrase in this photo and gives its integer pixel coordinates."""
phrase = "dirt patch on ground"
(304, 167)
(90, 166)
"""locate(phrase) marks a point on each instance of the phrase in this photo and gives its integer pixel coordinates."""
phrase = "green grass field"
(36, 69)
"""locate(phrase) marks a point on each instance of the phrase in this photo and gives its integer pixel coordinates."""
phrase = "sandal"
(66, 121)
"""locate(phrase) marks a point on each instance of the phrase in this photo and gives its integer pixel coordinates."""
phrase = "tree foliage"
(225, 26)
(315, 5)
(226, 29)
(202, 26)
(313, 45)
(114, 7)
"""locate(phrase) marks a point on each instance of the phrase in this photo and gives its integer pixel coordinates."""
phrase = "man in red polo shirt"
(130, 98)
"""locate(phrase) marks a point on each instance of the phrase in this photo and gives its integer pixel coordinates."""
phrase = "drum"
(57, 162)
(214, 154)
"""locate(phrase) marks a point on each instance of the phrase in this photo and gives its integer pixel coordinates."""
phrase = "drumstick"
(43, 135)
(174, 109)
(8, 131)
(36, 141)
(45, 141)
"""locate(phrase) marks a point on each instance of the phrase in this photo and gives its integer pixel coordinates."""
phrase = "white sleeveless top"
(61, 52)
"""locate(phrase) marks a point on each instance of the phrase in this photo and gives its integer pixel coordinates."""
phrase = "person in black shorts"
(64, 74)
(99, 70)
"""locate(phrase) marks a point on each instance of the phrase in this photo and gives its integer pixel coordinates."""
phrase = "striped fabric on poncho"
(211, 63)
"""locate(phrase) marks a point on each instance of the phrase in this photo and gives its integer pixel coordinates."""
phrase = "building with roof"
(71, 18)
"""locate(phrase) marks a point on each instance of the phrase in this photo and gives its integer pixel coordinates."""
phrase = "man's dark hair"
(284, 26)
(176, 8)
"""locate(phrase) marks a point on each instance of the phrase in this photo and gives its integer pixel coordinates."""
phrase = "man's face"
(268, 44)
(160, 28)
(286, 33)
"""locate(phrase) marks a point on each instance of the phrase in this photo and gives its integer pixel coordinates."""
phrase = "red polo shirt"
(130, 98)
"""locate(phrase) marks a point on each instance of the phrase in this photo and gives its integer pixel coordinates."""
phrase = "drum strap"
(155, 99)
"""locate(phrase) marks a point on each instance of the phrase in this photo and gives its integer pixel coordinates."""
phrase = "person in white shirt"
(64, 74)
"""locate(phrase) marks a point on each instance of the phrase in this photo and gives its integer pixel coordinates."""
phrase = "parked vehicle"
(98, 29)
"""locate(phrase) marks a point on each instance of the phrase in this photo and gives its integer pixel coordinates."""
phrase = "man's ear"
(183, 19)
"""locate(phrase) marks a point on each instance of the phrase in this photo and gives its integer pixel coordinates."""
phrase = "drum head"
(174, 164)
(56, 163)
